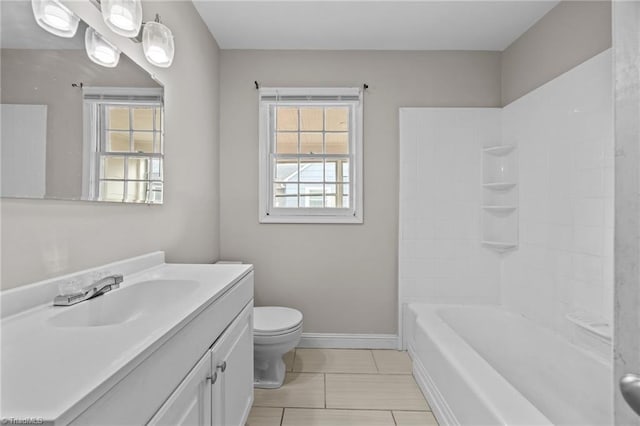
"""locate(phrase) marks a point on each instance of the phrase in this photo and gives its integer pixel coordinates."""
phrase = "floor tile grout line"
(377, 374)
(347, 349)
(371, 361)
(377, 366)
(374, 360)
(349, 409)
(395, 422)
(392, 412)
(293, 360)
(345, 372)
(325, 390)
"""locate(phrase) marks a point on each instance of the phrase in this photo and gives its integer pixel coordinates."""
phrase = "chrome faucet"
(94, 290)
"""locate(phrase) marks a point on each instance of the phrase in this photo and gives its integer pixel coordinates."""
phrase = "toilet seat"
(261, 340)
(266, 338)
(275, 320)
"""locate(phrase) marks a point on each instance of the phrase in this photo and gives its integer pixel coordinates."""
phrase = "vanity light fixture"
(54, 17)
(100, 50)
(157, 43)
(123, 17)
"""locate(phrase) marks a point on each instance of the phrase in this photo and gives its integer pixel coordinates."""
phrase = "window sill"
(311, 219)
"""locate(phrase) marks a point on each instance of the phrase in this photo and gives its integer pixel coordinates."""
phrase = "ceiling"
(370, 25)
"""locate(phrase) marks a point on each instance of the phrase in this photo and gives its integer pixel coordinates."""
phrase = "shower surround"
(560, 276)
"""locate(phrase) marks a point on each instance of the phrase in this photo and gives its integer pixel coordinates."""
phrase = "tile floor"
(343, 387)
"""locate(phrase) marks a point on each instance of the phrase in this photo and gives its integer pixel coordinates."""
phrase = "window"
(310, 155)
(123, 145)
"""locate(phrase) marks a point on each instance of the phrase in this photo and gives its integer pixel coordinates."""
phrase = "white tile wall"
(441, 260)
(564, 131)
(564, 134)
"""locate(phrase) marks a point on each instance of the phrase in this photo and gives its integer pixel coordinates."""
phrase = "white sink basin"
(124, 305)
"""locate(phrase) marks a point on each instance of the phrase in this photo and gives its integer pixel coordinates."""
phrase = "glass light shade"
(123, 17)
(100, 50)
(157, 43)
(52, 16)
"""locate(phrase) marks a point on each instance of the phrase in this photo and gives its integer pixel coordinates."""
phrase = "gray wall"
(342, 277)
(42, 239)
(33, 76)
(568, 35)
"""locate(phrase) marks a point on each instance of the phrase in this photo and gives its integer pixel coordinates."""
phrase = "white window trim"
(90, 133)
(268, 214)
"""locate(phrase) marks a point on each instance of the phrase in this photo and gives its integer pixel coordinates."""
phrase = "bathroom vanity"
(172, 345)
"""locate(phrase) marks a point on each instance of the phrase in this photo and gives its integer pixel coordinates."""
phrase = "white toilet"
(276, 331)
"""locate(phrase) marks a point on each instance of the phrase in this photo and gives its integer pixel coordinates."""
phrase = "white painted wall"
(564, 133)
(627, 202)
(440, 256)
(564, 262)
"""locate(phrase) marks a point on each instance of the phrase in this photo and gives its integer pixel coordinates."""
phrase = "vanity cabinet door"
(190, 403)
(232, 358)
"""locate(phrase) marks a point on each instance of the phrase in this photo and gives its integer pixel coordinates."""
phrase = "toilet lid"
(273, 319)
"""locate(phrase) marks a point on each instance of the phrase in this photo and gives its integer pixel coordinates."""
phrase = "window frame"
(325, 97)
(95, 100)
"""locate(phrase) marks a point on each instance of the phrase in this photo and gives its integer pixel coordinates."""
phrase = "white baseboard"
(438, 404)
(348, 341)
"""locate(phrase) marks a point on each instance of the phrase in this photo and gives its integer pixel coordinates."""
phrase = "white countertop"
(49, 370)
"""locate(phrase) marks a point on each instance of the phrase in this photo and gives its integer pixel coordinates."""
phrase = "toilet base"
(268, 373)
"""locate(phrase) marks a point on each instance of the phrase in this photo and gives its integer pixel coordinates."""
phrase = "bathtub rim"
(506, 402)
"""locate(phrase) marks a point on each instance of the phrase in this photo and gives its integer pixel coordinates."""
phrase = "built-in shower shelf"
(498, 150)
(499, 206)
(592, 323)
(500, 245)
(500, 209)
(499, 186)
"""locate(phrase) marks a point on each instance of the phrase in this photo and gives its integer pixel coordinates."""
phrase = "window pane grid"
(311, 156)
(291, 129)
(311, 183)
(303, 181)
(137, 153)
(304, 131)
(131, 180)
(132, 126)
(127, 130)
(130, 154)
(141, 191)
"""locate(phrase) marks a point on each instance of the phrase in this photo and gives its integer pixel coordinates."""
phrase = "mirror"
(73, 129)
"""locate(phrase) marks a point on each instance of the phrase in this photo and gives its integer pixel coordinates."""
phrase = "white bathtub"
(486, 366)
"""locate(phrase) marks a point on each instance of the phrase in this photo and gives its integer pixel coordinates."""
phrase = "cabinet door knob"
(222, 366)
(213, 378)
